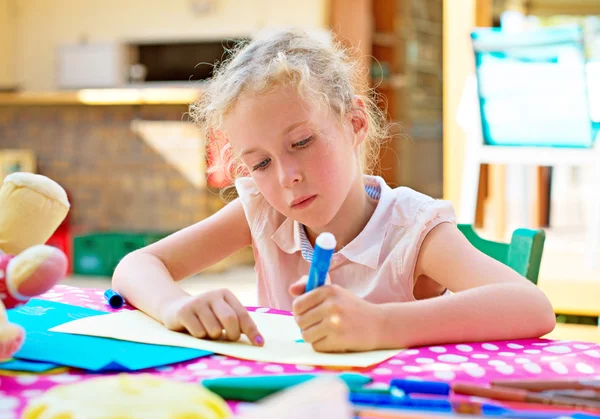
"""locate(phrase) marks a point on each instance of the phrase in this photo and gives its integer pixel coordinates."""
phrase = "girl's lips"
(303, 201)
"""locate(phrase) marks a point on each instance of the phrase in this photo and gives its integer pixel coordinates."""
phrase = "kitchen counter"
(123, 96)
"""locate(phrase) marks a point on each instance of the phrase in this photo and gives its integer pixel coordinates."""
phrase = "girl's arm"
(147, 277)
(491, 301)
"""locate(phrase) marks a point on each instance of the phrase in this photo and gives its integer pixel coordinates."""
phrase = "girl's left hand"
(333, 319)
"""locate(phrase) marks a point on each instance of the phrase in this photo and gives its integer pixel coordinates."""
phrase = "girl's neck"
(351, 219)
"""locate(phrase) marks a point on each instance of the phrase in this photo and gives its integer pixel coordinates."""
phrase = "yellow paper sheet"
(280, 334)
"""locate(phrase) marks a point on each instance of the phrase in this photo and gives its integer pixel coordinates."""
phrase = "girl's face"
(302, 159)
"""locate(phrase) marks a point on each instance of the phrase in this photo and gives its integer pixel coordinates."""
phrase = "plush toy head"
(31, 209)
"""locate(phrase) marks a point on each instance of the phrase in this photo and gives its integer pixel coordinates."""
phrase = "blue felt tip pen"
(404, 401)
(423, 387)
(324, 248)
(114, 298)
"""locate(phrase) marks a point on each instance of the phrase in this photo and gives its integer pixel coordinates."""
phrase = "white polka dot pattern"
(475, 372)
(7, 403)
(557, 349)
(274, 368)
(559, 368)
(593, 353)
(489, 347)
(445, 375)
(262, 310)
(506, 354)
(505, 369)
(514, 346)
(454, 359)
(241, 370)
(584, 368)
(533, 368)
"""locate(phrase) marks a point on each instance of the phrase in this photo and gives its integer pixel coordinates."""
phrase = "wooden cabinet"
(400, 42)
(407, 72)
(7, 45)
(549, 7)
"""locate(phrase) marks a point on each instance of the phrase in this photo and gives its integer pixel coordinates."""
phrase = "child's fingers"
(312, 317)
(247, 325)
(298, 287)
(190, 321)
(310, 300)
(327, 345)
(213, 327)
(314, 333)
(228, 319)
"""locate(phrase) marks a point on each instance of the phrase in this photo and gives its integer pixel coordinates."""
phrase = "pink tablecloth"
(480, 362)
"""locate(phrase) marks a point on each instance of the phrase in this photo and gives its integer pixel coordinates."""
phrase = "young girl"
(299, 137)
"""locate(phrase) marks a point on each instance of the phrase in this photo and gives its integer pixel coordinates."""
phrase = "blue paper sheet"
(86, 352)
(28, 366)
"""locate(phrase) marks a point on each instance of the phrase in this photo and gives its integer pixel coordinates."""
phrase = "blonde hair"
(321, 70)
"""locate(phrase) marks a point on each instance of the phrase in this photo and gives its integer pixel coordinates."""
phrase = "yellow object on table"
(128, 396)
(580, 297)
(578, 332)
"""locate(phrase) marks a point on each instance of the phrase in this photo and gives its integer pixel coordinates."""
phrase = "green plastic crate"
(97, 254)
(153, 237)
(91, 255)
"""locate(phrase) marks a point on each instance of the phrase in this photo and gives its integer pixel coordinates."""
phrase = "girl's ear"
(359, 120)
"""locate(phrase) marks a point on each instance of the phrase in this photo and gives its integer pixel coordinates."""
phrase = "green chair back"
(523, 253)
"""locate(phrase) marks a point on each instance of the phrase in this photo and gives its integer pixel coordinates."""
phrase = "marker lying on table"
(114, 298)
(543, 385)
(324, 248)
(528, 407)
(254, 388)
(521, 395)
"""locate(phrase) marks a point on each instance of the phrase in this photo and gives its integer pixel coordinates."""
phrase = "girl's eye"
(303, 143)
(262, 165)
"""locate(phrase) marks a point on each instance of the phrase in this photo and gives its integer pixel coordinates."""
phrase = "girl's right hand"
(207, 315)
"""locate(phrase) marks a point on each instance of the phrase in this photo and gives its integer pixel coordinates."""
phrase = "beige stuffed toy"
(31, 208)
(128, 396)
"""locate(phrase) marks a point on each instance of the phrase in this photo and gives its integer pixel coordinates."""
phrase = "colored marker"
(375, 399)
(324, 248)
(253, 388)
(114, 298)
(424, 387)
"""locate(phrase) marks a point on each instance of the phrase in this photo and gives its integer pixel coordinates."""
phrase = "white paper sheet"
(280, 334)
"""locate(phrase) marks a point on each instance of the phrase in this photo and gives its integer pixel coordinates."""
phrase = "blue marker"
(114, 298)
(375, 399)
(324, 248)
(423, 387)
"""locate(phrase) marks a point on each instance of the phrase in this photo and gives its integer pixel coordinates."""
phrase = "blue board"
(27, 366)
(86, 352)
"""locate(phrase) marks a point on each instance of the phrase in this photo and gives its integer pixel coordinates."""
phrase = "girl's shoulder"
(413, 208)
